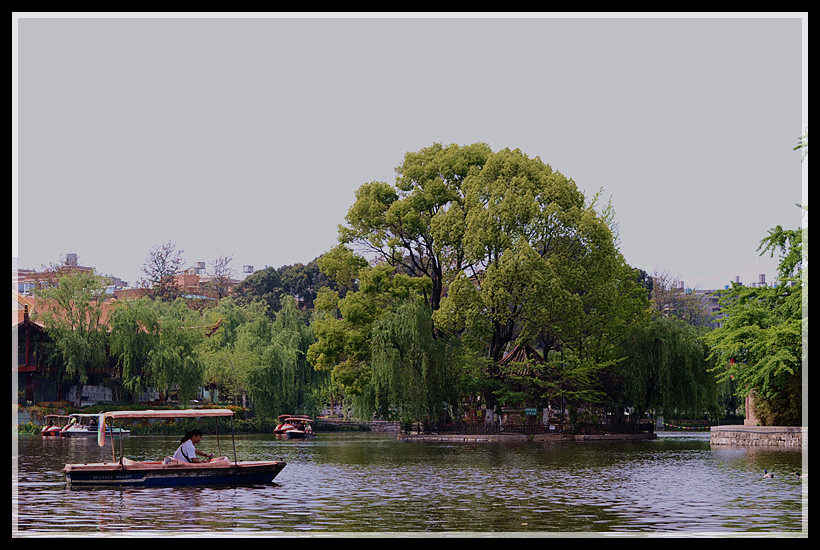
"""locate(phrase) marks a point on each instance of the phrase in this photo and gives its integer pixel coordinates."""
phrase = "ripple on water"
(342, 483)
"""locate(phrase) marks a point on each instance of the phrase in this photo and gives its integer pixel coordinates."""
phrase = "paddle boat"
(288, 423)
(302, 429)
(85, 425)
(124, 472)
(54, 425)
(284, 425)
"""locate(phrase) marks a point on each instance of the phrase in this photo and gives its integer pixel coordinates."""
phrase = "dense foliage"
(760, 345)
(469, 255)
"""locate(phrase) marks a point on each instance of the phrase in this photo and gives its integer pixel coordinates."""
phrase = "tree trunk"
(78, 397)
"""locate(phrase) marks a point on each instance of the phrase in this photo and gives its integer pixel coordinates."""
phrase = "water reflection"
(373, 483)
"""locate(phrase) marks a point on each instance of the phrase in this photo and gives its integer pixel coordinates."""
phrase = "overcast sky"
(249, 136)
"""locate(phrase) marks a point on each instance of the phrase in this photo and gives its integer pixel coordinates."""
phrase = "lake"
(341, 484)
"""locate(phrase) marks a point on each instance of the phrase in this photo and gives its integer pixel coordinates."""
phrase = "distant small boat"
(54, 425)
(284, 424)
(124, 472)
(294, 426)
(303, 429)
(85, 425)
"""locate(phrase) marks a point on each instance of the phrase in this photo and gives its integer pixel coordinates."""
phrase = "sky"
(247, 135)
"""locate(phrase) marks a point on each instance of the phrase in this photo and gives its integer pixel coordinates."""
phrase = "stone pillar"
(751, 419)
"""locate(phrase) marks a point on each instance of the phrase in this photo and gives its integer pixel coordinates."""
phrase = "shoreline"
(539, 438)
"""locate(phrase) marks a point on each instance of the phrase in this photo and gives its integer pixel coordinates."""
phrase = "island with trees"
(482, 288)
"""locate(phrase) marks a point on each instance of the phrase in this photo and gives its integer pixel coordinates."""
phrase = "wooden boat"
(168, 472)
(85, 425)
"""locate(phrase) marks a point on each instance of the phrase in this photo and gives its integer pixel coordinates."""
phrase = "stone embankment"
(525, 437)
(376, 426)
(760, 436)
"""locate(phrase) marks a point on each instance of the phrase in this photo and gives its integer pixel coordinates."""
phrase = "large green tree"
(544, 270)
(512, 249)
(271, 285)
(760, 344)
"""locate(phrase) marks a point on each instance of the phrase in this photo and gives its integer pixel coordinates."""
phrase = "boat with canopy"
(289, 423)
(85, 425)
(302, 429)
(122, 471)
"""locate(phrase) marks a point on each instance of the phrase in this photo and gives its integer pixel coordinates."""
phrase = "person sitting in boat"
(187, 451)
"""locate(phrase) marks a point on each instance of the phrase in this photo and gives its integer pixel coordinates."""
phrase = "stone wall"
(383, 426)
(760, 436)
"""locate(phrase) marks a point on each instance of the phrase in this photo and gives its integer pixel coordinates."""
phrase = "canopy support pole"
(218, 446)
(233, 440)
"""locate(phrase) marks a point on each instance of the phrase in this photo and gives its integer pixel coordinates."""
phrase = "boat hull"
(93, 433)
(297, 434)
(157, 474)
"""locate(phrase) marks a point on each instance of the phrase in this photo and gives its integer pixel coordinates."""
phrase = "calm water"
(362, 483)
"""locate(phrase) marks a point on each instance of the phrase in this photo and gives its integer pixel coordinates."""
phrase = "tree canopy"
(512, 251)
(760, 344)
(468, 255)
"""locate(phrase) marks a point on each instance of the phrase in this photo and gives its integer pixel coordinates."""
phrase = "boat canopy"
(178, 413)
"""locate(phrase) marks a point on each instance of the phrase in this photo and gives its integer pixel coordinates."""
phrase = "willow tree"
(411, 370)
(292, 331)
(666, 370)
(134, 336)
(223, 374)
(344, 328)
(251, 355)
(73, 318)
(268, 365)
(175, 363)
